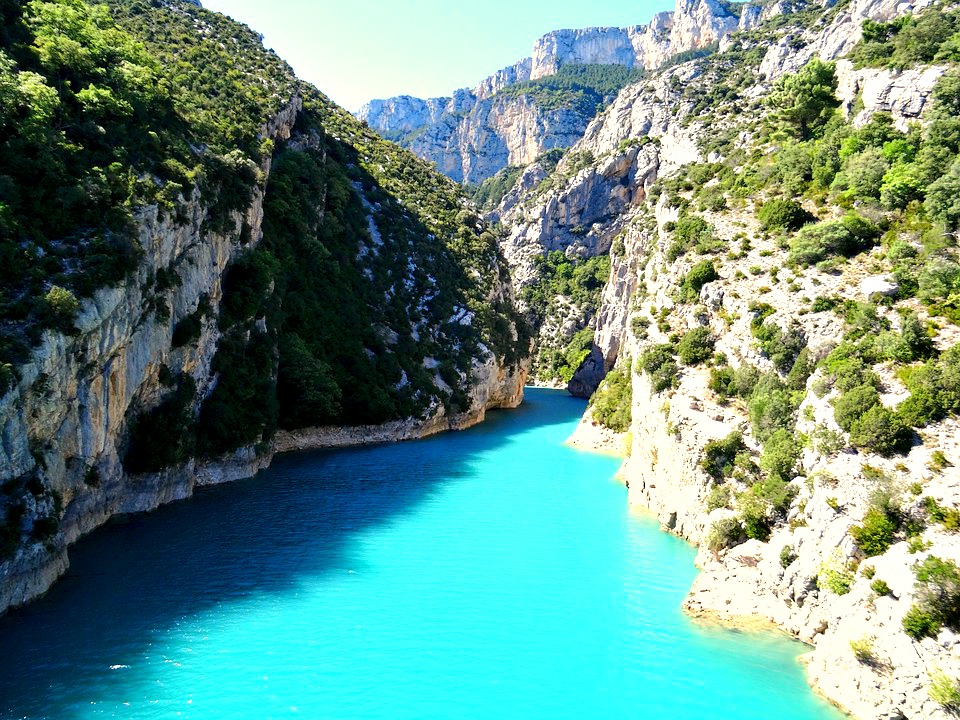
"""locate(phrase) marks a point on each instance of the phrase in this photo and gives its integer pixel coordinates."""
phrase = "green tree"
(805, 101)
(780, 455)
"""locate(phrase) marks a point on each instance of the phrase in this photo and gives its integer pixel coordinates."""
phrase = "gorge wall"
(348, 287)
(473, 134)
(714, 319)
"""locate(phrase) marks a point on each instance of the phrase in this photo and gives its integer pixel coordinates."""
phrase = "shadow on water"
(134, 579)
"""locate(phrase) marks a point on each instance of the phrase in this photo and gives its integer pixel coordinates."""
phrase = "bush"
(863, 649)
(780, 214)
(754, 515)
(612, 401)
(725, 533)
(944, 690)
(726, 382)
(919, 623)
(934, 390)
(658, 363)
(938, 587)
(781, 346)
(696, 346)
(771, 407)
(689, 231)
(877, 532)
(718, 497)
(780, 455)
(60, 308)
(846, 237)
(719, 455)
(881, 431)
(854, 404)
(880, 587)
(699, 275)
(787, 556)
(835, 576)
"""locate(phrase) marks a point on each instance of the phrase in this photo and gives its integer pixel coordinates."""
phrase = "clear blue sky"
(356, 50)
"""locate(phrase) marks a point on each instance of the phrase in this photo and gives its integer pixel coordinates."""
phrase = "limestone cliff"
(706, 292)
(473, 134)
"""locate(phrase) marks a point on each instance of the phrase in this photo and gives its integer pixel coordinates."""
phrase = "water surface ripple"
(489, 574)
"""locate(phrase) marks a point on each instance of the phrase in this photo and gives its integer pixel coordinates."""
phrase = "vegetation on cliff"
(585, 89)
(375, 289)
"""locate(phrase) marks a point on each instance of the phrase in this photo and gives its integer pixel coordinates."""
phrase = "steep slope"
(521, 112)
(237, 262)
(780, 330)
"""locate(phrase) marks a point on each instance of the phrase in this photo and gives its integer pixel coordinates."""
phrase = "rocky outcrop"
(474, 133)
(834, 39)
(470, 138)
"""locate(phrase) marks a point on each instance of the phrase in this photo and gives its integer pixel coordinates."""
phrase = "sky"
(358, 50)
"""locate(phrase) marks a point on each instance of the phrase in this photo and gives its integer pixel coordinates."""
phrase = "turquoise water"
(489, 574)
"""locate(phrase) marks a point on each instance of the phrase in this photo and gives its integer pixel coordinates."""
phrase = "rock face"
(474, 133)
(64, 425)
(604, 194)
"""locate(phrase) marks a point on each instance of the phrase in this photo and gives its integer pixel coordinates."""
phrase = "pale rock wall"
(470, 138)
(748, 585)
(837, 38)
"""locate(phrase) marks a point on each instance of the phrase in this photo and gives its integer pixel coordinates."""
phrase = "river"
(488, 574)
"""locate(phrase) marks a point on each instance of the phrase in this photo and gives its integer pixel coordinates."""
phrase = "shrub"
(699, 275)
(881, 431)
(721, 379)
(863, 649)
(718, 497)
(801, 370)
(846, 237)
(777, 493)
(787, 556)
(934, 390)
(60, 308)
(780, 214)
(724, 533)
(835, 576)
(658, 363)
(944, 690)
(938, 587)
(854, 404)
(719, 455)
(612, 401)
(771, 407)
(696, 346)
(919, 623)
(754, 514)
(877, 532)
(780, 454)
(689, 231)
(880, 587)
(781, 346)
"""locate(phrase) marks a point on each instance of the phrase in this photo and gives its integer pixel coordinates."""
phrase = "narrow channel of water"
(489, 574)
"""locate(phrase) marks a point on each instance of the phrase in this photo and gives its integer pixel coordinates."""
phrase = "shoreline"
(30, 574)
(591, 436)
